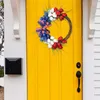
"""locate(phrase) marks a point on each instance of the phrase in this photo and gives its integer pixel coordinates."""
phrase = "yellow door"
(52, 73)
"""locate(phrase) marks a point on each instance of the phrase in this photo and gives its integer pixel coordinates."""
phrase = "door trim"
(87, 56)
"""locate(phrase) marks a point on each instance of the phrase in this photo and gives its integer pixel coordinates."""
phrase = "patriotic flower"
(60, 13)
(52, 14)
(42, 30)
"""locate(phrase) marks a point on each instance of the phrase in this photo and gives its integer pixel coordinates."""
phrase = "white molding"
(88, 57)
(15, 87)
(92, 4)
(15, 5)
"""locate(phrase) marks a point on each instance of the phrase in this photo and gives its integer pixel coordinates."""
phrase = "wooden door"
(52, 73)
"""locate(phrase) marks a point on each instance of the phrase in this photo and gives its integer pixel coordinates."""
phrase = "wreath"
(45, 21)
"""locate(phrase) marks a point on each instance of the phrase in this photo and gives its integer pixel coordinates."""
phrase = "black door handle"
(78, 75)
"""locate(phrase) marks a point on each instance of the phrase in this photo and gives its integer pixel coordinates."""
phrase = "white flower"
(52, 42)
(48, 41)
(49, 46)
(51, 18)
(52, 38)
(52, 15)
(55, 40)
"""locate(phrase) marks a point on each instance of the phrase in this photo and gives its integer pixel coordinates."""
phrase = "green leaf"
(2, 4)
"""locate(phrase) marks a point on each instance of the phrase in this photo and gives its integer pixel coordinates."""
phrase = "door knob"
(15, 10)
(78, 75)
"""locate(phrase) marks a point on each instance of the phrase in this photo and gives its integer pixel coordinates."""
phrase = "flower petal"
(52, 38)
(51, 18)
(48, 41)
(52, 42)
(55, 40)
(49, 14)
(52, 10)
(49, 46)
(54, 15)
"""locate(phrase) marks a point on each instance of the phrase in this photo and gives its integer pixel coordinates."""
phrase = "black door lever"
(78, 75)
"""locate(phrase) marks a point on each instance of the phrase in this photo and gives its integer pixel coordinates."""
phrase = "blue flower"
(44, 36)
(45, 39)
(48, 36)
(44, 20)
(40, 35)
(46, 13)
(41, 39)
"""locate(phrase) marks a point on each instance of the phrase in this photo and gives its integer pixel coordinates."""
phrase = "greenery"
(1, 71)
(1, 3)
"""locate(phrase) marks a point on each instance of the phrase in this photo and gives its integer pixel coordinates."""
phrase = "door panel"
(52, 73)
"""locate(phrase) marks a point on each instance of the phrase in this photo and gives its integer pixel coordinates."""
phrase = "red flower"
(61, 10)
(55, 9)
(59, 45)
(64, 41)
(64, 14)
(60, 38)
(61, 18)
(58, 13)
(54, 46)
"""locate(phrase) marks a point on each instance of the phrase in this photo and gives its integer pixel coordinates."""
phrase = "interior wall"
(15, 86)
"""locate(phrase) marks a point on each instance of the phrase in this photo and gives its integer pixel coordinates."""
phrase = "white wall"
(15, 86)
(87, 56)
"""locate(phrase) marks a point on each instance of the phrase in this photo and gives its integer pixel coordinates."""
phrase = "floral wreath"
(45, 21)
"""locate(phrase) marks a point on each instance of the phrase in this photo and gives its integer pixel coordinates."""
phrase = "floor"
(1, 93)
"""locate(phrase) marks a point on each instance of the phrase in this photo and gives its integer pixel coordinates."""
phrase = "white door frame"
(16, 87)
(88, 56)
